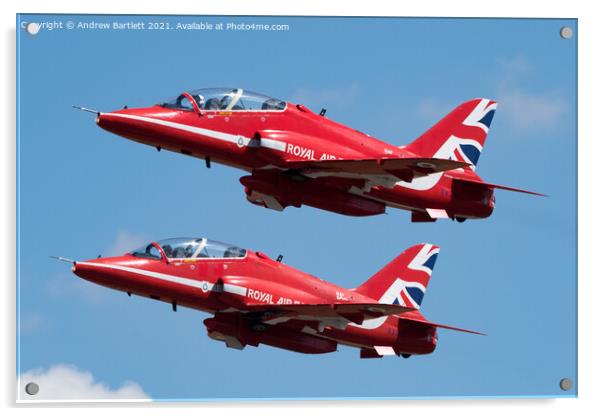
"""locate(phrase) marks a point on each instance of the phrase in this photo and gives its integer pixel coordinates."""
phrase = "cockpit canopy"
(225, 99)
(190, 248)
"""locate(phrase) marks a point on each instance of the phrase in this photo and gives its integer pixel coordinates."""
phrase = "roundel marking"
(425, 165)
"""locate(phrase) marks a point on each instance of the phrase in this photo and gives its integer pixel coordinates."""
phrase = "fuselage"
(229, 287)
(259, 141)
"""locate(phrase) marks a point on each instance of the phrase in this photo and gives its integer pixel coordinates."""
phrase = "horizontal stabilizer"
(421, 320)
(494, 186)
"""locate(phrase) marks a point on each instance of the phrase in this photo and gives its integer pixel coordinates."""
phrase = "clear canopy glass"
(148, 251)
(190, 248)
(226, 99)
(181, 102)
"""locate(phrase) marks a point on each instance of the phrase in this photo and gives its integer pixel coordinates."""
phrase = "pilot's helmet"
(201, 100)
(168, 250)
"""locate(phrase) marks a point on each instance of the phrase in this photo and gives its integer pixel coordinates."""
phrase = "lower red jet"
(256, 300)
(296, 157)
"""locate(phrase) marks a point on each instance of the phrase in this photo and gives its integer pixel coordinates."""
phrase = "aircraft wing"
(401, 168)
(354, 312)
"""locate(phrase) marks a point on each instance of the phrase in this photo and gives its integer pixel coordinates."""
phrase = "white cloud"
(124, 242)
(64, 284)
(434, 109)
(32, 322)
(68, 284)
(333, 97)
(519, 106)
(67, 382)
(524, 109)
(528, 111)
(514, 67)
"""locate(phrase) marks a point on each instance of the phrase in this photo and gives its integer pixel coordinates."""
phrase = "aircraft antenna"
(88, 110)
(62, 259)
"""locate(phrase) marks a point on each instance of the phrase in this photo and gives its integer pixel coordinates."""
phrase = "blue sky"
(84, 192)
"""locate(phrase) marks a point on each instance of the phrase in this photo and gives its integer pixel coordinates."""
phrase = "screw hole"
(566, 384)
(32, 389)
(566, 32)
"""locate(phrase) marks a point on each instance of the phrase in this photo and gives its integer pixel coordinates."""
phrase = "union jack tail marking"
(404, 280)
(460, 135)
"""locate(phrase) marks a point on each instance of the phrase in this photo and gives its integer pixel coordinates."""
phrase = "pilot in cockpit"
(212, 104)
(200, 101)
(168, 250)
(231, 100)
(226, 100)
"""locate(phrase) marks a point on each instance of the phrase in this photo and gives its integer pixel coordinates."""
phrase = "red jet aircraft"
(256, 300)
(296, 157)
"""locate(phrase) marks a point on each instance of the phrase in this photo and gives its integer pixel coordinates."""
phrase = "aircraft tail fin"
(404, 280)
(460, 135)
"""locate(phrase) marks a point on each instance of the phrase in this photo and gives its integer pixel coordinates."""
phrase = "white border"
(589, 199)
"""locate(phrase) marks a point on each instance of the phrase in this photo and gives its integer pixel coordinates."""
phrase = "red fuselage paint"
(264, 142)
(230, 288)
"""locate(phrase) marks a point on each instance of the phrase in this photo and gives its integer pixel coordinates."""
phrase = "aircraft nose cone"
(114, 122)
(124, 124)
(138, 124)
(112, 272)
(83, 269)
(95, 271)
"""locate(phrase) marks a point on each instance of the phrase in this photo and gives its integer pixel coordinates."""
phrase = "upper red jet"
(256, 300)
(297, 157)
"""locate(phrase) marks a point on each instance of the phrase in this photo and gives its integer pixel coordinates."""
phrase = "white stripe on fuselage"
(422, 183)
(203, 285)
(237, 139)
